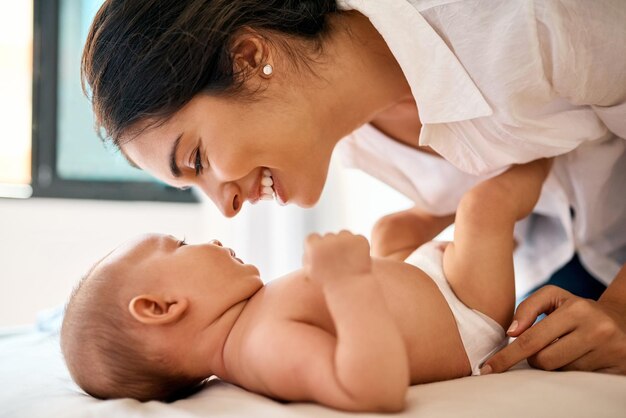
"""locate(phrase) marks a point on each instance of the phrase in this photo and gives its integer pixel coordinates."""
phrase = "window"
(69, 160)
(16, 40)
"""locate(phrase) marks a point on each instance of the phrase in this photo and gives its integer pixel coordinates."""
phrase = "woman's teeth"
(267, 192)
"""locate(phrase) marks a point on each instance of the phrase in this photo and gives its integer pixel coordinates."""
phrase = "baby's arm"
(370, 361)
(479, 263)
(398, 234)
(364, 366)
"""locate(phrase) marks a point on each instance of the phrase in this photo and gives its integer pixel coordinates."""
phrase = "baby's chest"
(297, 300)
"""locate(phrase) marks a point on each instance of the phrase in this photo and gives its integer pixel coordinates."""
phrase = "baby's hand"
(334, 256)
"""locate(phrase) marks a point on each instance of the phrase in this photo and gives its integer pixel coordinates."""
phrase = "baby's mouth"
(233, 255)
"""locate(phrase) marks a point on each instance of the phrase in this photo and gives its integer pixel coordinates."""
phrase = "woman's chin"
(306, 201)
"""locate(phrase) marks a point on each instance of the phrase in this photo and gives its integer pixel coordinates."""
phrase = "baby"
(156, 317)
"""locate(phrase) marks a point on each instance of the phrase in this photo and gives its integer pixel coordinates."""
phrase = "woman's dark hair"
(145, 59)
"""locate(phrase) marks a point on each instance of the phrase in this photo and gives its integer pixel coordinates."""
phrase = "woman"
(247, 100)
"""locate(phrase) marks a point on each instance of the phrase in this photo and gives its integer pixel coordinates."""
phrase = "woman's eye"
(198, 163)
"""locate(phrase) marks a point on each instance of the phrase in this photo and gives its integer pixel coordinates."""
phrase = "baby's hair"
(103, 349)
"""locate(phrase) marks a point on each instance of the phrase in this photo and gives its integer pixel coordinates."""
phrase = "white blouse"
(499, 82)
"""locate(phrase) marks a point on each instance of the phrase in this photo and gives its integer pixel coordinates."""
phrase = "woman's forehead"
(153, 150)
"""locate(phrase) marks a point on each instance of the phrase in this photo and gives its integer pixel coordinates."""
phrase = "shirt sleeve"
(584, 48)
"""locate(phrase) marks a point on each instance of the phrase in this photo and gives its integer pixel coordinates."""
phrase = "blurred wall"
(47, 245)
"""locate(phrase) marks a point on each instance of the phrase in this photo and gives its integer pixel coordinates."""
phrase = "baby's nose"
(216, 242)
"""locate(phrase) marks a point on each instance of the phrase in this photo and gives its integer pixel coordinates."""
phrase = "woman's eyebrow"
(174, 169)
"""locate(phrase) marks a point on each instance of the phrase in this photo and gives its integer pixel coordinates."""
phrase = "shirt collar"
(442, 89)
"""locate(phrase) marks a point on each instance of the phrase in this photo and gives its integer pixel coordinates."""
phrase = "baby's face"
(209, 275)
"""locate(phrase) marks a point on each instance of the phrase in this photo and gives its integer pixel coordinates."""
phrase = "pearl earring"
(268, 69)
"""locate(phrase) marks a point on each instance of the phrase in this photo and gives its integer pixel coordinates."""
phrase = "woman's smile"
(279, 191)
(267, 187)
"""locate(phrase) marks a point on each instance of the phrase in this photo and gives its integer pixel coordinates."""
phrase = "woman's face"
(224, 146)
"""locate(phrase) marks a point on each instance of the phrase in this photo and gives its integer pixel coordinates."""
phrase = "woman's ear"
(250, 52)
(156, 310)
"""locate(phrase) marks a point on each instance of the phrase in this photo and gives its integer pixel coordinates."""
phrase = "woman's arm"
(398, 234)
(615, 294)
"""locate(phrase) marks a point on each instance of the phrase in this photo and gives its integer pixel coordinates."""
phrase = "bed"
(34, 383)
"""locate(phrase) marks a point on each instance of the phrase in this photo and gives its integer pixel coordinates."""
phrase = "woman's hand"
(577, 334)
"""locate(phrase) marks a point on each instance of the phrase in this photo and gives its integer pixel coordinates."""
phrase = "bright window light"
(16, 41)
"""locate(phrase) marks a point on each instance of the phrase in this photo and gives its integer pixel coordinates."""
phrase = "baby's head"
(150, 319)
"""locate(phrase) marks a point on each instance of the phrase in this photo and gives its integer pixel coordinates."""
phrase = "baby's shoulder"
(290, 297)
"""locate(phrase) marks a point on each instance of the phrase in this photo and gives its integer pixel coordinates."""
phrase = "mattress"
(35, 383)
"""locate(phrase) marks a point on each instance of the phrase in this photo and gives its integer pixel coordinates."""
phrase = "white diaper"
(481, 335)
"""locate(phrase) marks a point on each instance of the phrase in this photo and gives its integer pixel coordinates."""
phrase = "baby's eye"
(182, 242)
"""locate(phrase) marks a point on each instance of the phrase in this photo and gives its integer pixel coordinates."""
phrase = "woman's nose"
(228, 197)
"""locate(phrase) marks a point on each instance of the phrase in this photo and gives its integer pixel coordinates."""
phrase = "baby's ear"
(157, 310)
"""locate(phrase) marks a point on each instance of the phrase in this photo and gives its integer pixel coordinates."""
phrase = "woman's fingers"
(593, 360)
(544, 300)
(533, 339)
(596, 361)
(577, 334)
(565, 350)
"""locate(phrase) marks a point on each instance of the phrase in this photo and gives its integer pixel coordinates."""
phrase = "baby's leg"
(479, 263)
(397, 235)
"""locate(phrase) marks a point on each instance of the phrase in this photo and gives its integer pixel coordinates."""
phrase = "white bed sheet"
(34, 383)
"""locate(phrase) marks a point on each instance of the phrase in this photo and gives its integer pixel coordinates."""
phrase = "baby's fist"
(334, 256)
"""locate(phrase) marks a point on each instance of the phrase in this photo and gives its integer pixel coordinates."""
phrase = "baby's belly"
(434, 345)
